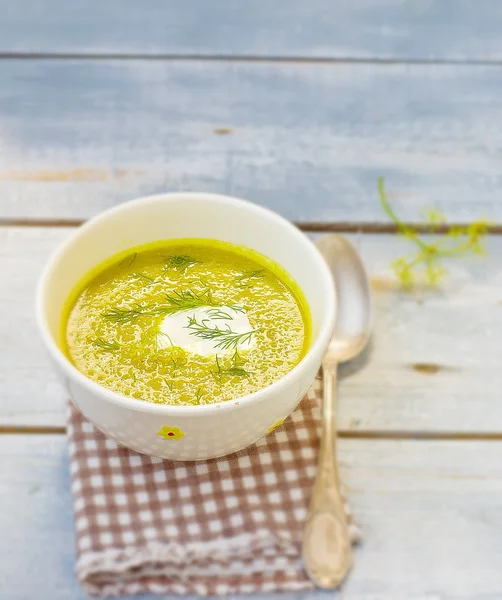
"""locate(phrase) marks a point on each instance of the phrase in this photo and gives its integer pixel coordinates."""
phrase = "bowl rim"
(317, 347)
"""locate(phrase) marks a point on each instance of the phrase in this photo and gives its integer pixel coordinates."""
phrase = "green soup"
(186, 322)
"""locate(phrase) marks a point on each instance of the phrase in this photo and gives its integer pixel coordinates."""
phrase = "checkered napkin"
(224, 526)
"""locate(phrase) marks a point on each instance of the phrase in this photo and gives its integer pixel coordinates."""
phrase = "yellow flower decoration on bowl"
(170, 433)
(276, 425)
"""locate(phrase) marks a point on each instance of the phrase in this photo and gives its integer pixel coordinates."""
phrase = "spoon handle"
(327, 550)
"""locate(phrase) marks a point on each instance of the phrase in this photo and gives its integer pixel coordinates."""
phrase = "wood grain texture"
(430, 513)
(390, 29)
(433, 365)
(307, 141)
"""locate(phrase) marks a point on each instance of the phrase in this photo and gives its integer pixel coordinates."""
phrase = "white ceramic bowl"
(211, 430)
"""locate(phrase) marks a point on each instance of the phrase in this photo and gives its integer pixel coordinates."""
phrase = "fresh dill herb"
(200, 281)
(105, 346)
(125, 315)
(199, 394)
(458, 241)
(141, 276)
(246, 277)
(178, 361)
(217, 313)
(128, 260)
(256, 274)
(237, 366)
(176, 302)
(236, 370)
(180, 262)
(237, 308)
(188, 299)
(164, 340)
(226, 338)
(237, 359)
(218, 369)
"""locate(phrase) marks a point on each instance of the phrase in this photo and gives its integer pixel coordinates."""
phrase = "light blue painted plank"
(307, 141)
(402, 29)
(383, 390)
(36, 545)
(430, 512)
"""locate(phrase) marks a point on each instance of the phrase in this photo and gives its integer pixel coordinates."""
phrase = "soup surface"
(188, 322)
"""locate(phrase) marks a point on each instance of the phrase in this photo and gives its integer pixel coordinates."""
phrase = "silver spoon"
(327, 548)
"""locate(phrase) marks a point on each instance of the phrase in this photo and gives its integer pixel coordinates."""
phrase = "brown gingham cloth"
(224, 526)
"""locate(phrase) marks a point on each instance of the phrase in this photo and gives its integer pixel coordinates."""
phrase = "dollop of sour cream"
(191, 330)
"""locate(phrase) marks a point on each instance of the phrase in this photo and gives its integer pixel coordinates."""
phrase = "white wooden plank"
(398, 29)
(430, 512)
(37, 544)
(29, 391)
(457, 331)
(307, 141)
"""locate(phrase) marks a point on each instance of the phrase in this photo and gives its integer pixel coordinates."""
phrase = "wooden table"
(299, 106)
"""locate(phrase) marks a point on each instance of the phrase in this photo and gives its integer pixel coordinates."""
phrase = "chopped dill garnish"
(236, 370)
(177, 301)
(180, 262)
(178, 361)
(217, 313)
(125, 315)
(456, 242)
(187, 299)
(141, 276)
(105, 346)
(199, 394)
(237, 359)
(246, 277)
(199, 281)
(128, 260)
(226, 338)
(218, 369)
(237, 308)
(164, 340)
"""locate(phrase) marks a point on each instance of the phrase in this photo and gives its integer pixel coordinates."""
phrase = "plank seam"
(342, 434)
(309, 60)
(311, 227)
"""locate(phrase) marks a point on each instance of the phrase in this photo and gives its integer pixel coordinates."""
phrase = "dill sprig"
(141, 276)
(246, 277)
(237, 308)
(199, 394)
(164, 341)
(178, 360)
(237, 359)
(217, 313)
(128, 260)
(235, 370)
(105, 346)
(226, 338)
(180, 262)
(176, 302)
(199, 281)
(188, 299)
(456, 242)
(125, 315)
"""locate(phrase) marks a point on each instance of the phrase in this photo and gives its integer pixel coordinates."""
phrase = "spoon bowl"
(353, 297)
